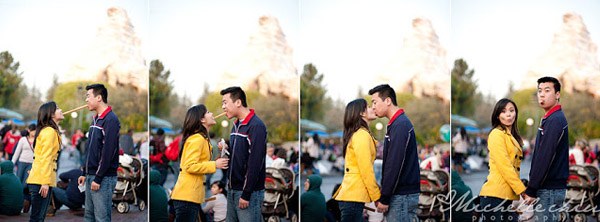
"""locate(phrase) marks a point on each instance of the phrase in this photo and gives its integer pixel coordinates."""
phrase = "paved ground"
(67, 162)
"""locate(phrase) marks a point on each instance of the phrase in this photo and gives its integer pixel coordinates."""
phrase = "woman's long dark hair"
(514, 130)
(193, 124)
(44, 119)
(353, 121)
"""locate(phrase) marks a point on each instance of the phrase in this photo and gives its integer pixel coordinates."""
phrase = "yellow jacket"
(43, 169)
(505, 160)
(359, 183)
(195, 162)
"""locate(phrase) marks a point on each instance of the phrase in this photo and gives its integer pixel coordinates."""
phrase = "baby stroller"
(130, 175)
(279, 187)
(434, 196)
(582, 190)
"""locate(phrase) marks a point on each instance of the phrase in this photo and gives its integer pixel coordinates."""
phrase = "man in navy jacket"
(400, 174)
(550, 162)
(100, 172)
(248, 142)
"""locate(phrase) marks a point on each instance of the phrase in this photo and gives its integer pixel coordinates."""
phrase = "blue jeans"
(252, 213)
(39, 205)
(186, 211)
(549, 202)
(496, 209)
(351, 211)
(22, 174)
(98, 204)
(403, 208)
(61, 198)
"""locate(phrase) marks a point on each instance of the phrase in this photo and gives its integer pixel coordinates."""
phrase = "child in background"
(216, 205)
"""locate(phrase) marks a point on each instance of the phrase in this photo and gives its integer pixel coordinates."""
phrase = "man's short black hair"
(385, 91)
(235, 93)
(99, 89)
(552, 80)
(160, 132)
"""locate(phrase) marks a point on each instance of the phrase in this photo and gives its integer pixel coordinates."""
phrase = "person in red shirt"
(10, 140)
(76, 136)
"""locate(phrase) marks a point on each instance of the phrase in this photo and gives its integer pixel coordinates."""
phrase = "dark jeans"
(186, 211)
(352, 211)
(61, 198)
(39, 205)
(496, 209)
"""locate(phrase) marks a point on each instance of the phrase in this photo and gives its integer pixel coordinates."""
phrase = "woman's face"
(58, 115)
(508, 115)
(369, 114)
(32, 133)
(208, 119)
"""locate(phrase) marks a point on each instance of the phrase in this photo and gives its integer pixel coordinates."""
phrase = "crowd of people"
(195, 155)
(37, 188)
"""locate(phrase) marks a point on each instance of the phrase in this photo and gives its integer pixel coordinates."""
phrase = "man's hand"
(528, 199)
(243, 203)
(95, 186)
(382, 208)
(81, 180)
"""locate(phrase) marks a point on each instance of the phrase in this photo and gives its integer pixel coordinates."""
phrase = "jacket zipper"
(87, 159)
(554, 155)
(237, 129)
(404, 158)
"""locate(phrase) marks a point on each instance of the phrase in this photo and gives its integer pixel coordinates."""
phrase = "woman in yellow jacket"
(195, 156)
(46, 145)
(503, 184)
(359, 185)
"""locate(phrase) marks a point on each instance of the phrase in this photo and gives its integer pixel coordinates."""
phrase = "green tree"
(129, 105)
(11, 90)
(279, 114)
(463, 89)
(30, 106)
(50, 92)
(312, 93)
(160, 89)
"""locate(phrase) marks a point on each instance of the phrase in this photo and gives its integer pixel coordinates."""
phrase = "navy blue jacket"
(400, 174)
(103, 146)
(73, 193)
(550, 163)
(248, 141)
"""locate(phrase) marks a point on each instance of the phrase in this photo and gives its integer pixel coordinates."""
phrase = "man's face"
(547, 96)
(91, 100)
(229, 106)
(378, 105)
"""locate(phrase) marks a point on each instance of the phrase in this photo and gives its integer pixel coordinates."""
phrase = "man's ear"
(388, 101)
(558, 95)
(238, 103)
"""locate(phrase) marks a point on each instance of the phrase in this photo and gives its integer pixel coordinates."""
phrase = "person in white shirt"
(217, 203)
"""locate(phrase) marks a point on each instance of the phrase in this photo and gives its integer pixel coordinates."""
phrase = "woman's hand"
(44, 190)
(222, 163)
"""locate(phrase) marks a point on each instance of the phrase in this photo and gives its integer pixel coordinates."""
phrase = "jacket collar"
(247, 119)
(553, 110)
(398, 113)
(108, 109)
